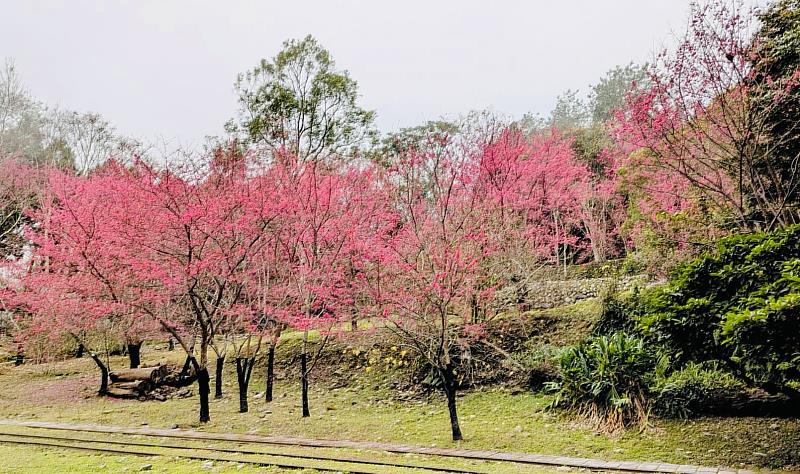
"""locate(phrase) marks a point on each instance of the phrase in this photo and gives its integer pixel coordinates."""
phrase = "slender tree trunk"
(203, 388)
(204, 348)
(185, 370)
(218, 377)
(270, 372)
(79, 351)
(304, 382)
(450, 387)
(134, 353)
(474, 311)
(354, 325)
(20, 358)
(171, 345)
(244, 368)
(103, 374)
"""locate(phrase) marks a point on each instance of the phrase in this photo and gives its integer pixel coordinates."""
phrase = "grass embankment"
(357, 399)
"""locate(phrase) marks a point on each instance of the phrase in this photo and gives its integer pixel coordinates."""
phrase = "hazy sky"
(165, 68)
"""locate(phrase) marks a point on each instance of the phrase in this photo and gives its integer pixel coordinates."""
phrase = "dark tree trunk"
(134, 354)
(449, 385)
(244, 368)
(103, 374)
(304, 383)
(218, 377)
(354, 325)
(171, 345)
(185, 370)
(20, 358)
(270, 372)
(203, 388)
(79, 351)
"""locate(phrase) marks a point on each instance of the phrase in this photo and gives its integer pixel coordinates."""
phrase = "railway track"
(298, 453)
(43, 437)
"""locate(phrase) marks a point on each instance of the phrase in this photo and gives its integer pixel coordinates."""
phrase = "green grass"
(354, 396)
(366, 410)
(280, 454)
(33, 460)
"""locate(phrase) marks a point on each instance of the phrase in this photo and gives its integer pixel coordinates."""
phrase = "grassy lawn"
(32, 460)
(365, 409)
(169, 460)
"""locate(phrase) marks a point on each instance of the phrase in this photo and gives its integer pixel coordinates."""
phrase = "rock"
(207, 466)
(258, 395)
(173, 426)
(563, 468)
(146, 467)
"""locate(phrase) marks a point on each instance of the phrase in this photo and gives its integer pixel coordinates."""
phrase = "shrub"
(696, 389)
(605, 380)
(541, 362)
(616, 314)
(739, 304)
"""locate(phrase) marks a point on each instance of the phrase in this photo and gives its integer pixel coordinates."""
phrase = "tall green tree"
(570, 111)
(610, 92)
(300, 103)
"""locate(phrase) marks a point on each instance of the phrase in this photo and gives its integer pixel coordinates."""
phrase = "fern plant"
(605, 380)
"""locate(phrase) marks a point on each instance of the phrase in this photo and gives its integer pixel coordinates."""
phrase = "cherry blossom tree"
(460, 214)
(173, 250)
(531, 190)
(708, 120)
(327, 215)
(195, 237)
(424, 269)
(70, 285)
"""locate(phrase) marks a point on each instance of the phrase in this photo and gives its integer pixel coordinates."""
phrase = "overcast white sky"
(165, 68)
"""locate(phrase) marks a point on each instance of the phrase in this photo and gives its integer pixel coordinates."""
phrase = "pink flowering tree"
(707, 120)
(327, 215)
(72, 284)
(425, 262)
(174, 250)
(194, 238)
(462, 213)
(531, 190)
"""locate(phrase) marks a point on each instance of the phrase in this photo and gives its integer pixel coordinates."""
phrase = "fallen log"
(153, 375)
(121, 393)
(142, 386)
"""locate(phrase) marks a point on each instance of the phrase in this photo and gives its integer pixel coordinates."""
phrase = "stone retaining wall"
(542, 294)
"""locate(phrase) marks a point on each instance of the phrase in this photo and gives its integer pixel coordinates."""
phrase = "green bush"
(617, 314)
(541, 362)
(696, 389)
(605, 379)
(739, 304)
